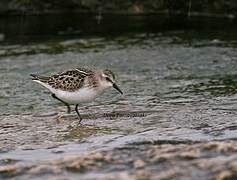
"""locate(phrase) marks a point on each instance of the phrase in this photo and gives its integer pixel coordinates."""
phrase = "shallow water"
(176, 87)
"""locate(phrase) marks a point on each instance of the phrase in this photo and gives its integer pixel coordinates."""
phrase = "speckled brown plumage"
(70, 80)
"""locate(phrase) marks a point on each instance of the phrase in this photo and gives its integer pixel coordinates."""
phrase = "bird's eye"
(107, 79)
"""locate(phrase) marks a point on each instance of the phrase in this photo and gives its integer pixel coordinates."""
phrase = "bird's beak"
(117, 88)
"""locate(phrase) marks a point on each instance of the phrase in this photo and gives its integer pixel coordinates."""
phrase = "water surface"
(179, 83)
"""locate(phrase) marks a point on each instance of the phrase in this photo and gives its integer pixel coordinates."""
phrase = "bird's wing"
(84, 71)
(70, 80)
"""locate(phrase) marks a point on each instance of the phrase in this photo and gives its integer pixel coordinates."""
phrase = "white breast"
(82, 95)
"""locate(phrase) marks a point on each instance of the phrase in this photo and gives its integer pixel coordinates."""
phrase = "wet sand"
(145, 160)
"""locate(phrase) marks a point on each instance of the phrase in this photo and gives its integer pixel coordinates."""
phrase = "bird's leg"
(78, 114)
(66, 104)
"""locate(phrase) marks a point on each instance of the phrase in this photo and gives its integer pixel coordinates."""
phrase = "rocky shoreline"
(217, 8)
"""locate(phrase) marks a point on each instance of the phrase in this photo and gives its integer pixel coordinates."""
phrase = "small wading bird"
(77, 86)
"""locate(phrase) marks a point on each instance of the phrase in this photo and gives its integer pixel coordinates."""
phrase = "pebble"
(224, 175)
(139, 164)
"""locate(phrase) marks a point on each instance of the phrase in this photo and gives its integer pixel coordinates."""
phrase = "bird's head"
(107, 79)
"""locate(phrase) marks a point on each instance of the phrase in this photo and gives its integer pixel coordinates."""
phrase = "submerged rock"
(2, 37)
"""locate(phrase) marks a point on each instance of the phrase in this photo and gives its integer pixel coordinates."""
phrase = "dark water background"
(179, 77)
